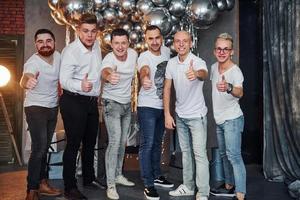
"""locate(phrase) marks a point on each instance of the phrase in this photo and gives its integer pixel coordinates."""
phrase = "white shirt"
(157, 64)
(45, 93)
(226, 106)
(189, 95)
(76, 62)
(120, 92)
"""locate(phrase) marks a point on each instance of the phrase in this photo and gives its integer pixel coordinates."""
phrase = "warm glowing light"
(4, 76)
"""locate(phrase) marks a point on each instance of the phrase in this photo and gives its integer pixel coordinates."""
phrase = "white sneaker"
(112, 193)
(182, 190)
(122, 180)
(198, 197)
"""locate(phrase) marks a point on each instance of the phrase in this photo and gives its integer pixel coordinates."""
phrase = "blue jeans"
(117, 118)
(192, 135)
(229, 139)
(41, 123)
(152, 129)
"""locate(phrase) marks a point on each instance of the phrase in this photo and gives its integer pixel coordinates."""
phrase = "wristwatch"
(229, 88)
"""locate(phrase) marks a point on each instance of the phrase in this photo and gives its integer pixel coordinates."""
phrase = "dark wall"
(251, 65)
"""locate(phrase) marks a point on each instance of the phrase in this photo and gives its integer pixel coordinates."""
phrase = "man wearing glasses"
(227, 88)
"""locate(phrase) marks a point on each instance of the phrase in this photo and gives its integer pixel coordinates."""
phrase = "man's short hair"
(119, 32)
(152, 27)
(43, 31)
(225, 36)
(88, 18)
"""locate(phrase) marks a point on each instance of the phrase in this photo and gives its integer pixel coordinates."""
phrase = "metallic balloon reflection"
(160, 3)
(177, 7)
(100, 4)
(144, 6)
(52, 4)
(230, 4)
(160, 17)
(221, 4)
(127, 6)
(202, 13)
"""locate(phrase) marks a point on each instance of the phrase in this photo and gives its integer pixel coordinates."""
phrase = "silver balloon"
(110, 16)
(137, 27)
(174, 29)
(134, 37)
(160, 3)
(100, 20)
(121, 15)
(100, 4)
(177, 7)
(113, 3)
(73, 9)
(144, 6)
(221, 4)
(230, 4)
(53, 4)
(168, 41)
(160, 17)
(136, 17)
(127, 6)
(127, 26)
(201, 13)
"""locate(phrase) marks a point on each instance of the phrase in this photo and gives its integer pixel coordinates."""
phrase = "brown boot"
(32, 195)
(47, 190)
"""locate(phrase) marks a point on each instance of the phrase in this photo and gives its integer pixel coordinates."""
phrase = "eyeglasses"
(225, 50)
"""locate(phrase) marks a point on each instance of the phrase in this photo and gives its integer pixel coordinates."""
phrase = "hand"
(146, 83)
(190, 73)
(169, 122)
(86, 86)
(114, 77)
(222, 85)
(32, 81)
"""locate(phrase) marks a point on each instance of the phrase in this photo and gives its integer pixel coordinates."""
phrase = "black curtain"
(281, 45)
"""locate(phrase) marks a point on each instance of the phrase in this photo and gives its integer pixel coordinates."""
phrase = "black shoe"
(151, 193)
(74, 194)
(95, 184)
(222, 191)
(163, 182)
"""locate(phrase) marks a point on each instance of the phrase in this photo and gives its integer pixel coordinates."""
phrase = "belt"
(80, 96)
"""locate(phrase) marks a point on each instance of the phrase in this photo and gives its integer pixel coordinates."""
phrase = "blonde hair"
(225, 36)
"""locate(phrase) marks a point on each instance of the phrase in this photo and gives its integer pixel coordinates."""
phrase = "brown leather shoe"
(32, 195)
(47, 190)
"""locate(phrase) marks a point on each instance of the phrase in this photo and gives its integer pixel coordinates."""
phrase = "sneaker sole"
(151, 198)
(222, 195)
(164, 185)
(181, 195)
(125, 184)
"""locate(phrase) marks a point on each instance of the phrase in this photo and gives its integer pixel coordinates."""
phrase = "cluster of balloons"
(134, 15)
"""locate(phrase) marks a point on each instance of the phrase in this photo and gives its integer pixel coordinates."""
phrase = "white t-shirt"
(225, 105)
(45, 93)
(189, 95)
(120, 92)
(157, 64)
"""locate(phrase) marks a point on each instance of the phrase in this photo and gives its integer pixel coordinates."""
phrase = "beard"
(46, 51)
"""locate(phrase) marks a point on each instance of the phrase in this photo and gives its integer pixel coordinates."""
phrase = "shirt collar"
(83, 48)
(186, 59)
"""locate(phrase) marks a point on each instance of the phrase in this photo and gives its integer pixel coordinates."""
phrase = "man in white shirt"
(188, 72)
(227, 88)
(117, 72)
(152, 66)
(40, 79)
(80, 80)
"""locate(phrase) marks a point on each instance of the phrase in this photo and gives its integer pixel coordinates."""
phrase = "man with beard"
(80, 80)
(152, 66)
(40, 79)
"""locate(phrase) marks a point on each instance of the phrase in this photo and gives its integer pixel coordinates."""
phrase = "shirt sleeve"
(67, 70)
(107, 62)
(30, 67)
(168, 73)
(142, 61)
(199, 64)
(238, 78)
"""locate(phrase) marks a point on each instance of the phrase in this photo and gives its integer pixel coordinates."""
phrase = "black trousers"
(41, 123)
(81, 121)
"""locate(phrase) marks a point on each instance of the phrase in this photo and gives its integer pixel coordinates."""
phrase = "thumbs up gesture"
(190, 73)
(86, 85)
(114, 77)
(222, 85)
(32, 81)
(146, 83)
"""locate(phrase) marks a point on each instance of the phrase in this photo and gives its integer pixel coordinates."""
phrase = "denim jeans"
(117, 118)
(229, 140)
(41, 123)
(152, 129)
(216, 167)
(192, 135)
